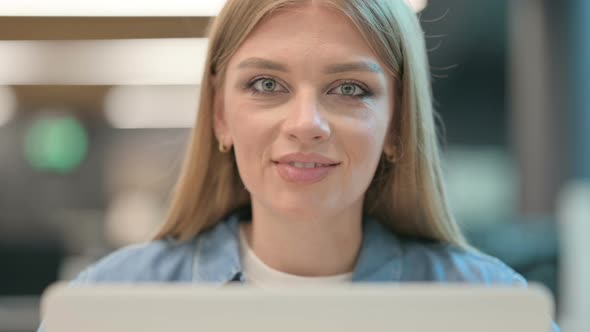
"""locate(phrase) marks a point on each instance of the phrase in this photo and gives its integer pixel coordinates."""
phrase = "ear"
(390, 146)
(390, 142)
(219, 117)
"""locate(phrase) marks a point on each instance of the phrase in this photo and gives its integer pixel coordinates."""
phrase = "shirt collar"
(380, 254)
(217, 253)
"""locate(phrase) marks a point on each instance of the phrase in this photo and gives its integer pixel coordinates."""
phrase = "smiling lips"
(304, 168)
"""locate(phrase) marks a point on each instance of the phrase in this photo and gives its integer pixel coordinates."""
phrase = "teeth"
(306, 165)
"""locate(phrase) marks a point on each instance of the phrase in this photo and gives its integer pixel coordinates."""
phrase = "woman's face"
(306, 105)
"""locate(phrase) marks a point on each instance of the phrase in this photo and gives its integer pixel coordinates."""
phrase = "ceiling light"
(173, 106)
(103, 62)
(112, 8)
(417, 5)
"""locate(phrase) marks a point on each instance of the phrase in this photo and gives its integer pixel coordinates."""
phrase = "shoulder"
(157, 261)
(425, 261)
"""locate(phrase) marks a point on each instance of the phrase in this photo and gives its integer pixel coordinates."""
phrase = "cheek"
(243, 127)
(251, 136)
(366, 133)
(247, 121)
(364, 145)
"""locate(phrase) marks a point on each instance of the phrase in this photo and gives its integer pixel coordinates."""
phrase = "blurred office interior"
(97, 101)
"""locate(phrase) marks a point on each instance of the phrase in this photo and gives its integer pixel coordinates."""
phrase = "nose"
(305, 122)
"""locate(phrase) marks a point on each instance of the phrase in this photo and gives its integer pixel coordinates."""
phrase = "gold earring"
(222, 147)
(391, 157)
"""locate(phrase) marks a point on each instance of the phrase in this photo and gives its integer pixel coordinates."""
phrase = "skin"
(303, 102)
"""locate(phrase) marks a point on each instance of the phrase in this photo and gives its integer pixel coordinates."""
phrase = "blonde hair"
(407, 196)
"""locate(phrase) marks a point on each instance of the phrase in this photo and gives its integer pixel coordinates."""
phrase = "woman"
(314, 158)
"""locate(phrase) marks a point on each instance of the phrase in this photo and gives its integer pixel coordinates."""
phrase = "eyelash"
(366, 91)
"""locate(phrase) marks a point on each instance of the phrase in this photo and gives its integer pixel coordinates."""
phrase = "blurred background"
(97, 100)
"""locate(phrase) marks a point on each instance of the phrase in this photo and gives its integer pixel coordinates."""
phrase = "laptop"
(350, 308)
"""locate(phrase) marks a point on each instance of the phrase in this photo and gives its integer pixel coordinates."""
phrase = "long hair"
(407, 196)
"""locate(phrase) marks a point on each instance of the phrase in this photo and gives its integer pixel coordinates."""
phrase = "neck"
(317, 246)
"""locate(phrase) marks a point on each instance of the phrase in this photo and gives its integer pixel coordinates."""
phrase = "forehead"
(310, 33)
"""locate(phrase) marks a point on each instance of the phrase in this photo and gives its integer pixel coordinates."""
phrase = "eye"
(351, 89)
(266, 85)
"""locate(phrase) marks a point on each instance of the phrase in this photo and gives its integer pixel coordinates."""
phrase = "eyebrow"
(369, 66)
(260, 63)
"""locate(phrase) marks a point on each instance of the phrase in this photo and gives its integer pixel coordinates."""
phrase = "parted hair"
(407, 196)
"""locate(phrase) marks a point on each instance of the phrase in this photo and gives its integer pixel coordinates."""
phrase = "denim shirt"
(213, 257)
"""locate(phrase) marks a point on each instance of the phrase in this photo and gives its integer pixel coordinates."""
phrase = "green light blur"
(56, 144)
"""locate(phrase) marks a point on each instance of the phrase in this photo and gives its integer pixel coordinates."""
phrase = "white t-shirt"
(261, 275)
